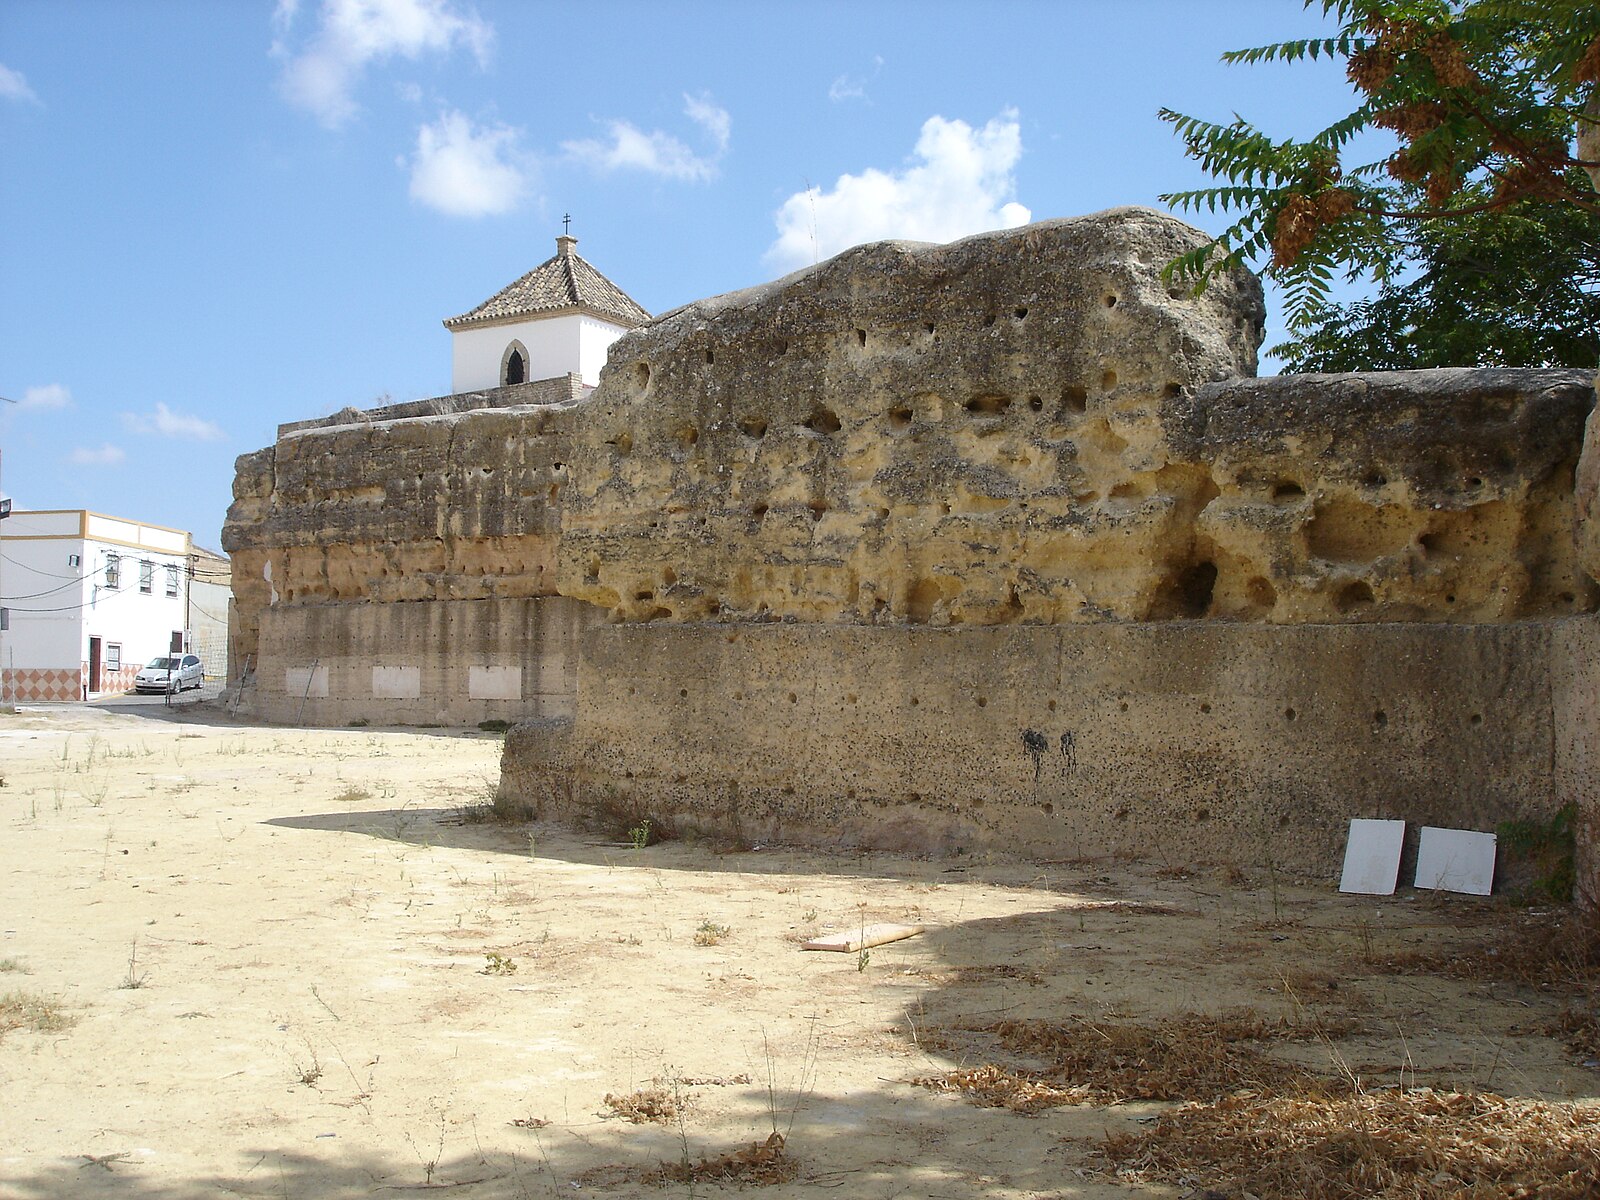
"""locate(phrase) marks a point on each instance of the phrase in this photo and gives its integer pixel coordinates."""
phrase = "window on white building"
(147, 576)
(113, 656)
(113, 570)
(172, 581)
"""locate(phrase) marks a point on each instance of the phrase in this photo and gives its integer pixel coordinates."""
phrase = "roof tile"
(563, 282)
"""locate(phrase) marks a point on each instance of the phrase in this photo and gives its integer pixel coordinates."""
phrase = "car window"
(191, 660)
(160, 664)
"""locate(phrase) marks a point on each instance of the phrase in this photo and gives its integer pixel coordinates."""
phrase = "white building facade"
(88, 600)
(558, 319)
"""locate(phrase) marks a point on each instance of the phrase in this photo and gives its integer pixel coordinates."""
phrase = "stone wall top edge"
(561, 391)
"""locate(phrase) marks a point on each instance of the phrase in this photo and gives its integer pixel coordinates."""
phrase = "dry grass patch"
(654, 1105)
(1188, 1057)
(760, 1165)
(1418, 1144)
(29, 1010)
(1552, 950)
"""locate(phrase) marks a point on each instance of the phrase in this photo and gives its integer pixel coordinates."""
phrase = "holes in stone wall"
(900, 417)
(988, 320)
(1051, 706)
(1202, 814)
(1047, 808)
(915, 702)
(753, 427)
(1036, 403)
(989, 404)
(1189, 593)
(1075, 399)
(929, 326)
(823, 420)
(758, 511)
(1108, 380)
(1380, 719)
(1354, 596)
(1475, 719)
(983, 702)
(711, 357)
(1290, 714)
(817, 508)
(1205, 708)
(1020, 313)
(1375, 479)
(1123, 707)
(686, 436)
(1286, 490)
(1110, 300)
(683, 693)
(1172, 390)
(641, 376)
(861, 337)
(793, 699)
(1260, 593)
(622, 444)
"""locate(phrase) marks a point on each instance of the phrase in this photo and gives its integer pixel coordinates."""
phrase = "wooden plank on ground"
(863, 938)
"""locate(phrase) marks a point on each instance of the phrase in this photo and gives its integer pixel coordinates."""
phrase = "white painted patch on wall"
(306, 681)
(397, 683)
(494, 683)
(266, 573)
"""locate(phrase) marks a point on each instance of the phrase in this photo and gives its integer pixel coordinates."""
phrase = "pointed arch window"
(514, 365)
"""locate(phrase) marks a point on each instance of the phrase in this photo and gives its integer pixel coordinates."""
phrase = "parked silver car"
(170, 674)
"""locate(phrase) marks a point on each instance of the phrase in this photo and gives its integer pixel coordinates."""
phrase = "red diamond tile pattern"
(22, 685)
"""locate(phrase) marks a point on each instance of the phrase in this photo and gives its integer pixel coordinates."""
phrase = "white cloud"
(167, 423)
(13, 86)
(845, 88)
(104, 455)
(50, 396)
(848, 87)
(356, 33)
(465, 170)
(711, 117)
(959, 181)
(659, 153)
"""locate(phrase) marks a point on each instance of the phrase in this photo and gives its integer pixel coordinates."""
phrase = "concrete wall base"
(1178, 742)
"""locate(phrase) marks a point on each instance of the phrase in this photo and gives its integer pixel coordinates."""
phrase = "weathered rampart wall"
(428, 662)
(995, 543)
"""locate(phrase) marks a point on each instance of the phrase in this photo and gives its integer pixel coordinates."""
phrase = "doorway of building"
(94, 664)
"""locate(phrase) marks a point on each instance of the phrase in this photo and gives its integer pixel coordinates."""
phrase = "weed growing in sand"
(352, 793)
(430, 1165)
(499, 964)
(639, 835)
(135, 978)
(29, 1010)
(11, 965)
(710, 933)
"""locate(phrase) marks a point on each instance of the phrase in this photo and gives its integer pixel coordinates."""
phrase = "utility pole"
(5, 613)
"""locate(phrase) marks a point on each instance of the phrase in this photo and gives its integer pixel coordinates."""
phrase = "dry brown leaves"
(1419, 1144)
(1193, 1056)
(762, 1164)
(655, 1105)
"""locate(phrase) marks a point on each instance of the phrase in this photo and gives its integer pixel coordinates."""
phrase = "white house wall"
(571, 344)
(54, 581)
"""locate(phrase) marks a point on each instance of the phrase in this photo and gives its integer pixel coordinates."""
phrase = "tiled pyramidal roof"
(560, 284)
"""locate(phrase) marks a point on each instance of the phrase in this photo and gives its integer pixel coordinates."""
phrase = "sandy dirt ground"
(300, 963)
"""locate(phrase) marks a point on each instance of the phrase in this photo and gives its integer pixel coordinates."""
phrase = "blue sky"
(215, 217)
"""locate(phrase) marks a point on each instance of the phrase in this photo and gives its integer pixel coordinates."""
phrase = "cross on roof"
(566, 224)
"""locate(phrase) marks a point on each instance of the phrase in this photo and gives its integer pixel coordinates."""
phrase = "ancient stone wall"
(1176, 741)
(989, 544)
